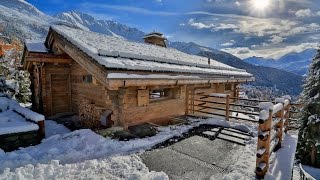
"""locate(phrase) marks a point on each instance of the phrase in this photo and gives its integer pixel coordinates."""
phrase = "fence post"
(279, 127)
(227, 106)
(41, 131)
(287, 114)
(263, 145)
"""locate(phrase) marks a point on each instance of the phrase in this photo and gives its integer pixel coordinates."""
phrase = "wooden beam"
(50, 60)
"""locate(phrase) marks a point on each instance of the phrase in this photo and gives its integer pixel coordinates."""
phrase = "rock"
(143, 130)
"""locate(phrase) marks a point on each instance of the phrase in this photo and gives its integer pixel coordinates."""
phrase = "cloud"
(130, 9)
(199, 25)
(276, 39)
(230, 43)
(270, 51)
(303, 13)
(223, 26)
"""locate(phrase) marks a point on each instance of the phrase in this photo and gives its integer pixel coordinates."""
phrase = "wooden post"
(227, 106)
(287, 118)
(41, 131)
(263, 146)
(279, 127)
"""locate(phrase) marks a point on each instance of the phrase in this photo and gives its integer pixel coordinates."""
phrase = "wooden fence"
(273, 119)
(273, 123)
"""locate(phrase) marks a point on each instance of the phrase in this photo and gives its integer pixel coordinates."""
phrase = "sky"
(245, 28)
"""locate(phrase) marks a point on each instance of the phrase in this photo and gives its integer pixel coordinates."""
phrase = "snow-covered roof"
(113, 52)
(36, 47)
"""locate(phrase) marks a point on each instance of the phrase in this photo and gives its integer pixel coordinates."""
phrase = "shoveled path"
(207, 154)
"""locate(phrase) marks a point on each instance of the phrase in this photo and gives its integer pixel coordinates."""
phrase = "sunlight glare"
(260, 4)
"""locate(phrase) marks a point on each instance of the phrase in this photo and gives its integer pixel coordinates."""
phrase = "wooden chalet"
(111, 81)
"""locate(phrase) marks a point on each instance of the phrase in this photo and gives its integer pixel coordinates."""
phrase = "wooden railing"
(273, 119)
(223, 105)
(273, 123)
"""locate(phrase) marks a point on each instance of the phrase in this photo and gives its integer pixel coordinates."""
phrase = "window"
(227, 87)
(87, 79)
(160, 94)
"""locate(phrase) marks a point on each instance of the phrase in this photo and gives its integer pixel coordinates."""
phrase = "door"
(60, 93)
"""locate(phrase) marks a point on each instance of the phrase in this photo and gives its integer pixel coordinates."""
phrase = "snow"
(85, 154)
(113, 52)
(280, 168)
(27, 113)
(118, 167)
(266, 106)
(311, 173)
(36, 47)
(84, 145)
(287, 97)
(11, 122)
(278, 107)
(280, 100)
(13, 117)
(147, 76)
(53, 128)
(264, 115)
(218, 95)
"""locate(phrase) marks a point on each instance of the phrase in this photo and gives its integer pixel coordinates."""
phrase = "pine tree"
(308, 150)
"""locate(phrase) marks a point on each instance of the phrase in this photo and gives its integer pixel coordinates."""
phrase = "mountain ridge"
(295, 62)
(113, 28)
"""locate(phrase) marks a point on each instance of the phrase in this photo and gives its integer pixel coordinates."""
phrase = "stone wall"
(11, 142)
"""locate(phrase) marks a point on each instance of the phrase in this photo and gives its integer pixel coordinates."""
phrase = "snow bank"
(53, 128)
(281, 168)
(118, 167)
(85, 144)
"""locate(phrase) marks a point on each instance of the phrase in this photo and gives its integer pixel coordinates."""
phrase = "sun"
(260, 4)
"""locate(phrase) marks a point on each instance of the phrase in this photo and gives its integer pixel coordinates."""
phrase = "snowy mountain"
(23, 20)
(113, 28)
(297, 63)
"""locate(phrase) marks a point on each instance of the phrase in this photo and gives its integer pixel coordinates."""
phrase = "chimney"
(155, 38)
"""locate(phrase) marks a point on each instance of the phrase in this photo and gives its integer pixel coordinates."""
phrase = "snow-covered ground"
(53, 128)
(83, 153)
(281, 163)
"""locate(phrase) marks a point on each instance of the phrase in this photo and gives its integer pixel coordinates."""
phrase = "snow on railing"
(273, 122)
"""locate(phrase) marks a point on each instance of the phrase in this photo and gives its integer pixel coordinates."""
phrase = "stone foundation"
(11, 142)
